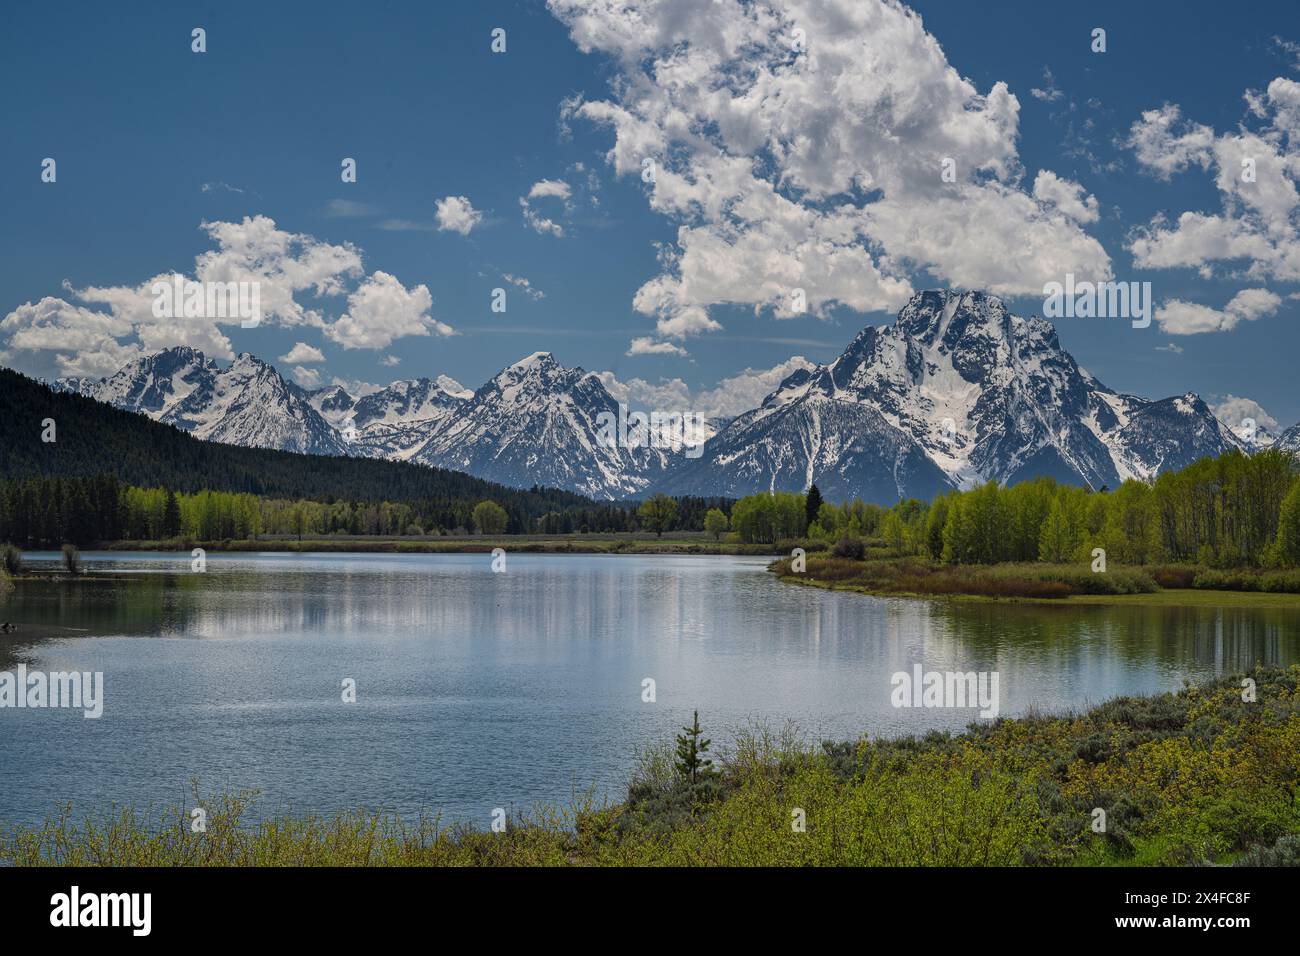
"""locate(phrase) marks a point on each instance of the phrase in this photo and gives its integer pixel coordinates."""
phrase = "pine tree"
(692, 765)
(812, 505)
(171, 521)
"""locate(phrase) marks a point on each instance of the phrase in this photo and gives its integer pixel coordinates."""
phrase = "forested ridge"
(112, 474)
(93, 438)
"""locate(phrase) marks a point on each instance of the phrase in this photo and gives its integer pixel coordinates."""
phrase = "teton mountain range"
(958, 390)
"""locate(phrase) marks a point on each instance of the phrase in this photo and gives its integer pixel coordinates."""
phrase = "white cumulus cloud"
(306, 377)
(799, 146)
(82, 342)
(302, 353)
(645, 345)
(730, 396)
(457, 214)
(524, 285)
(1256, 170)
(1069, 197)
(1235, 411)
(97, 329)
(282, 265)
(382, 310)
(1179, 317)
(555, 188)
(545, 189)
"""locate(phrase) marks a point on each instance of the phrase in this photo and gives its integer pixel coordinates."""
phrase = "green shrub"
(1245, 579)
(916, 575)
(850, 548)
(1174, 576)
(1285, 852)
(1197, 777)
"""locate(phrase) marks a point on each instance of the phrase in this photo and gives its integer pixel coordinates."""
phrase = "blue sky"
(152, 139)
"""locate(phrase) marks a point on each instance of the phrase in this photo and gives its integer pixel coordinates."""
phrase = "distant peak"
(182, 351)
(932, 298)
(539, 363)
(537, 358)
(247, 360)
(453, 387)
(934, 309)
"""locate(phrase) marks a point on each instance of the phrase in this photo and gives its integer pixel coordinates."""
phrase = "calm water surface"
(479, 690)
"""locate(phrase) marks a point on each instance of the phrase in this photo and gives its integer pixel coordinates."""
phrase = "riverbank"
(1197, 777)
(1033, 582)
(625, 543)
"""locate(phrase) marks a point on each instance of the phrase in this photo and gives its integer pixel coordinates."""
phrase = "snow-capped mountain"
(151, 384)
(332, 402)
(1289, 440)
(393, 422)
(958, 390)
(537, 422)
(1258, 439)
(247, 403)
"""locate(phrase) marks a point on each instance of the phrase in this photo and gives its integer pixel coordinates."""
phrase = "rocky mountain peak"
(957, 390)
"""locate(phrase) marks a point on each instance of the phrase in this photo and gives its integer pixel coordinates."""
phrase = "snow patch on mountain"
(957, 391)
(537, 422)
(247, 403)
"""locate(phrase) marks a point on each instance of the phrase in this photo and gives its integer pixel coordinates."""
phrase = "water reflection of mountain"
(558, 597)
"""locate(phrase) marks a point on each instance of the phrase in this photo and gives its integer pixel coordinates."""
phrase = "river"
(478, 689)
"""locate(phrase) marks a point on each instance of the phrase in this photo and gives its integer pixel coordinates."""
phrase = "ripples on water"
(478, 690)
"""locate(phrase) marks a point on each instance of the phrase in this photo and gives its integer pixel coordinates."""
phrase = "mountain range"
(57, 434)
(956, 391)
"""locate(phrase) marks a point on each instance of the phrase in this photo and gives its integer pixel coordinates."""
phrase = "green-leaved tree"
(716, 523)
(657, 513)
(490, 518)
(1288, 527)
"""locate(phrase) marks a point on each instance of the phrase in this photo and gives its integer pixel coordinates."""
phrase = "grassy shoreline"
(1195, 777)
(624, 543)
(1037, 583)
(1182, 597)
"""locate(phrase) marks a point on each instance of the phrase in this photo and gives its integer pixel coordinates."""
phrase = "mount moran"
(957, 391)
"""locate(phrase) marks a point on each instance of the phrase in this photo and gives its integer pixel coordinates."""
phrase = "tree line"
(46, 512)
(89, 438)
(1237, 510)
(74, 488)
